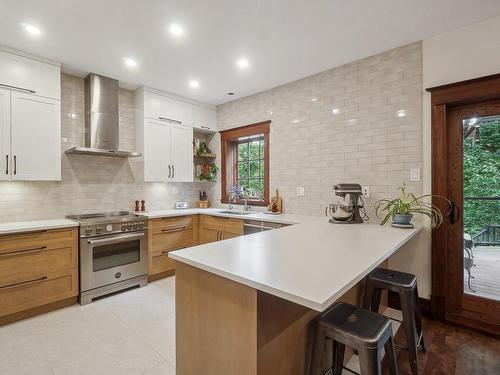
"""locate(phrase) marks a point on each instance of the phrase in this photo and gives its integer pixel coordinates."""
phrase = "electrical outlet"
(366, 191)
(300, 191)
(415, 174)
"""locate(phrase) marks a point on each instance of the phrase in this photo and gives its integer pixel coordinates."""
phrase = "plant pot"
(402, 219)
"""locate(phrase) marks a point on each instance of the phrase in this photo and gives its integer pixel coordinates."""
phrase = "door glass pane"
(481, 166)
(114, 255)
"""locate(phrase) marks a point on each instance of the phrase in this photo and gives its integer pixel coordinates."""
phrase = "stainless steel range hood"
(102, 121)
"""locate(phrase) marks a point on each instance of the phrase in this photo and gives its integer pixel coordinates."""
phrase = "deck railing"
(490, 234)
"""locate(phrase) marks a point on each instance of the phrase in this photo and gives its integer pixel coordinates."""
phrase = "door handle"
(18, 88)
(6, 164)
(28, 282)
(15, 164)
(454, 213)
(204, 127)
(170, 120)
(169, 171)
(173, 171)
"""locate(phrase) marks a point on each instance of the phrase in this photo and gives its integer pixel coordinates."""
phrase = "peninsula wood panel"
(216, 324)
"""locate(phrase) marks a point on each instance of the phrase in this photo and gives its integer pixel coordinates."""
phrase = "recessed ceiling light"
(194, 84)
(176, 30)
(243, 63)
(131, 63)
(31, 29)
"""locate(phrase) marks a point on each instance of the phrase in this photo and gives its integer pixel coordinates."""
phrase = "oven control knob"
(88, 231)
(109, 228)
(98, 229)
(118, 275)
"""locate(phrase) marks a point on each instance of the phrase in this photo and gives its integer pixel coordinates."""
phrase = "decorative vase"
(402, 219)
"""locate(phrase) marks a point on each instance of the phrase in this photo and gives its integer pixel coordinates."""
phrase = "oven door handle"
(116, 239)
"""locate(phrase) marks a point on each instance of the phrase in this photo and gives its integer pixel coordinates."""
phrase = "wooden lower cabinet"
(37, 269)
(165, 235)
(214, 228)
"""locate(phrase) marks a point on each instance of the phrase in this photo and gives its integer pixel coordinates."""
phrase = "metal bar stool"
(405, 284)
(362, 330)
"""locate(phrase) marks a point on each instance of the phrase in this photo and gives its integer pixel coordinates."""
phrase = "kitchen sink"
(235, 212)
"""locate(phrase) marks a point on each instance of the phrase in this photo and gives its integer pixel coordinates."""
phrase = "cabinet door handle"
(173, 171)
(176, 229)
(15, 164)
(18, 88)
(204, 127)
(169, 171)
(31, 250)
(170, 120)
(28, 282)
(6, 164)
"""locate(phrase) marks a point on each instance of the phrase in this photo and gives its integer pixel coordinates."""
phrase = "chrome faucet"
(246, 206)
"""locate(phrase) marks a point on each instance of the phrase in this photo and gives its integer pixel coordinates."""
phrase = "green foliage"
(482, 178)
(408, 204)
(251, 167)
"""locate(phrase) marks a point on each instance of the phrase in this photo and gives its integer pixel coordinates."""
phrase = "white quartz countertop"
(31, 226)
(281, 218)
(312, 263)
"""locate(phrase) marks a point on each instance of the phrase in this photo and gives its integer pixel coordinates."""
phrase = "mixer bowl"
(341, 212)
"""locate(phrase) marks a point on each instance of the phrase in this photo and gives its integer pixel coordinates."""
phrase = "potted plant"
(401, 209)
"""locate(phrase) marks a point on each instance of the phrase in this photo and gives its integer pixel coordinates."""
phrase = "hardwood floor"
(452, 350)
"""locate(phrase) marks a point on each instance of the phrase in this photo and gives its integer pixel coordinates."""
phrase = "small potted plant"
(401, 209)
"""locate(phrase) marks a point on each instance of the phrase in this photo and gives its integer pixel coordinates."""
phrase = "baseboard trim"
(21, 315)
(394, 302)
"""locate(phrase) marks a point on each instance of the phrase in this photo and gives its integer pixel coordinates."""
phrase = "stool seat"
(355, 322)
(393, 278)
(365, 331)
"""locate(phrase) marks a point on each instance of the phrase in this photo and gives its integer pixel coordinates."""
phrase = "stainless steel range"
(113, 253)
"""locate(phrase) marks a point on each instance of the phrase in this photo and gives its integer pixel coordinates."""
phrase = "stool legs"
(371, 299)
(419, 322)
(338, 357)
(409, 322)
(369, 362)
(391, 356)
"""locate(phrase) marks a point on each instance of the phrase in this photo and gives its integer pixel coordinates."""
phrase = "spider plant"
(408, 204)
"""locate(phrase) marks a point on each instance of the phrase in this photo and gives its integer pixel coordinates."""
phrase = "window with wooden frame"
(245, 163)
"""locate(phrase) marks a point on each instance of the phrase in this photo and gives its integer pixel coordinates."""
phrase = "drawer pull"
(32, 250)
(23, 235)
(22, 283)
(174, 229)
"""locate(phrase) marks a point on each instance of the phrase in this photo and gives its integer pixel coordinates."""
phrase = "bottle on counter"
(143, 205)
(137, 208)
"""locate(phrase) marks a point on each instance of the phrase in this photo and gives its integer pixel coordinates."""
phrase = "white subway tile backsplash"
(365, 127)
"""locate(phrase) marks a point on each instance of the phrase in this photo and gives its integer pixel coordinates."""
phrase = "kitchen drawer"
(171, 223)
(222, 223)
(160, 262)
(39, 239)
(28, 264)
(173, 238)
(37, 291)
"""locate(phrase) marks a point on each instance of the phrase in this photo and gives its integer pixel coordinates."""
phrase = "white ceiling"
(284, 40)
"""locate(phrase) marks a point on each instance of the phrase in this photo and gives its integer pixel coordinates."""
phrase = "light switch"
(415, 174)
(300, 191)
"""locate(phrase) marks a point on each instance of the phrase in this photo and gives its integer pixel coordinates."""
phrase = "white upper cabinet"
(181, 153)
(204, 118)
(29, 75)
(35, 138)
(5, 157)
(164, 108)
(156, 151)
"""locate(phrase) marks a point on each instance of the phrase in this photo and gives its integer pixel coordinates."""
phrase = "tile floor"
(131, 333)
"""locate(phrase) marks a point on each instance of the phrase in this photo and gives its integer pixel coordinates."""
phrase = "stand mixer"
(348, 207)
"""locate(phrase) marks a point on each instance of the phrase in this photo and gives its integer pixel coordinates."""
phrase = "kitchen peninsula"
(246, 305)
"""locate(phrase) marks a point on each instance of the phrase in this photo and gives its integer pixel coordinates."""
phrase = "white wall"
(469, 52)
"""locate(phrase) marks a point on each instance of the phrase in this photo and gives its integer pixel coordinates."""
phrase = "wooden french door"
(465, 285)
